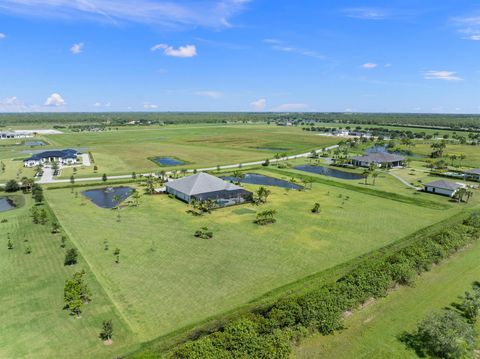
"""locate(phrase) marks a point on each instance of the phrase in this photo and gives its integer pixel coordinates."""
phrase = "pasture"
(167, 279)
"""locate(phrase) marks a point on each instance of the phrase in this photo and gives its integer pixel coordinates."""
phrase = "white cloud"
(97, 104)
(13, 104)
(55, 100)
(2, 36)
(77, 48)
(164, 13)
(364, 13)
(149, 106)
(441, 75)
(182, 51)
(259, 105)
(211, 94)
(279, 45)
(291, 107)
(468, 26)
(369, 65)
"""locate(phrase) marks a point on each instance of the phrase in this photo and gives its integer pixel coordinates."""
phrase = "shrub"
(12, 186)
(71, 257)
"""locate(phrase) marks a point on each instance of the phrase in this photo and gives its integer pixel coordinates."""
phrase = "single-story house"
(445, 188)
(379, 159)
(473, 174)
(66, 157)
(15, 134)
(203, 186)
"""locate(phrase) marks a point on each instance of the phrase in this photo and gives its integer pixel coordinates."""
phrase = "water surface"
(254, 178)
(106, 197)
(168, 161)
(330, 172)
(5, 204)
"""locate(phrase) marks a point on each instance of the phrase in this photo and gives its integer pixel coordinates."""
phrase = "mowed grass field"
(128, 149)
(372, 332)
(33, 324)
(167, 279)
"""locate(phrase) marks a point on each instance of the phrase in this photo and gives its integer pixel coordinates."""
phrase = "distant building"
(66, 157)
(15, 134)
(341, 133)
(445, 188)
(378, 159)
(473, 174)
(203, 186)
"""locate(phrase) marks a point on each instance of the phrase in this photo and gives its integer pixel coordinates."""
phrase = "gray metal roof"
(379, 157)
(475, 171)
(201, 183)
(453, 186)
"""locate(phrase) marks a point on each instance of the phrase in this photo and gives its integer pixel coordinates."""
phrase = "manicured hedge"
(271, 332)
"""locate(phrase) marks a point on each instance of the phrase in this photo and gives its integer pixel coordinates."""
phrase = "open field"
(130, 149)
(33, 323)
(372, 332)
(184, 280)
(168, 280)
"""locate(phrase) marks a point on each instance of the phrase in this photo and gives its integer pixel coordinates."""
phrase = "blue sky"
(240, 55)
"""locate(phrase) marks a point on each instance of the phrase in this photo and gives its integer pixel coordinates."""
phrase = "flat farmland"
(130, 149)
(167, 279)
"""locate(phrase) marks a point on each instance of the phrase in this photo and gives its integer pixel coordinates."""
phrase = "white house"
(444, 188)
(65, 157)
(15, 134)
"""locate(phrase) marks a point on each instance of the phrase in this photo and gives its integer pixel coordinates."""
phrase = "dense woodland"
(458, 122)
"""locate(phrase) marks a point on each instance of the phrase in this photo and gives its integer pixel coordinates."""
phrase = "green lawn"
(129, 149)
(168, 279)
(33, 324)
(372, 332)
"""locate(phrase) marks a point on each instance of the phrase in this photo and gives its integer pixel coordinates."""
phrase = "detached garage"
(444, 188)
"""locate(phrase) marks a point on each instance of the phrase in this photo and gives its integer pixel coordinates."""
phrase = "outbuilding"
(444, 188)
(202, 187)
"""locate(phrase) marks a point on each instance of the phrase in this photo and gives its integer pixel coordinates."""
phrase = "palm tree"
(365, 174)
(116, 199)
(462, 157)
(374, 176)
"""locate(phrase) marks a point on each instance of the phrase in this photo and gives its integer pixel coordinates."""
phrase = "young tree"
(35, 215)
(95, 168)
(10, 244)
(104, 177)
(43, 216)
(63, 241)
(55, 228)
(71, 257)
(116, 253)
(107, 331)
(265, 217)
(37, 193)
(316, 208)
(134, 175)
(76, 293)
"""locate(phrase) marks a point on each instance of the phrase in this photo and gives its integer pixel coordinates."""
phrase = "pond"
(6, 204)
(167, 161)
(272, 149)
(385, 149)
(330, 172)
(106, 197)
(34, 143)
(254, 178)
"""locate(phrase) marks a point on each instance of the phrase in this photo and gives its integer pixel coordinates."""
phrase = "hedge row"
(271, 333)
